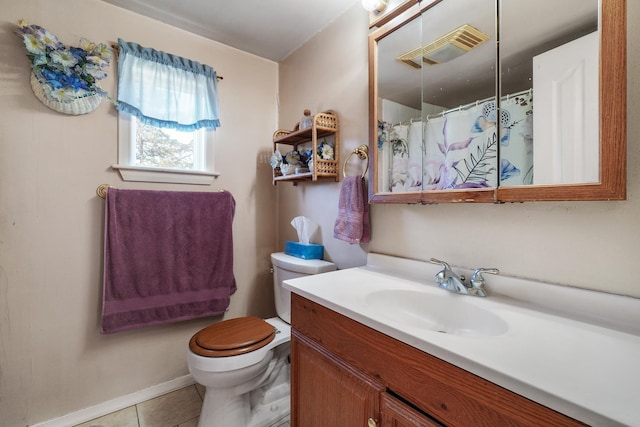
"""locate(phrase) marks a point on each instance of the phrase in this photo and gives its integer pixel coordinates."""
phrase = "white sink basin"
(443, 312)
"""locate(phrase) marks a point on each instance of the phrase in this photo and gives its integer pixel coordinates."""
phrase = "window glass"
(154, 154)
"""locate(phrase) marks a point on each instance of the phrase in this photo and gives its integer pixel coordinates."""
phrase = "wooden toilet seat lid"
(232, 337)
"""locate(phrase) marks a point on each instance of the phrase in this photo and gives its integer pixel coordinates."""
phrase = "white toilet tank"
(289, 267)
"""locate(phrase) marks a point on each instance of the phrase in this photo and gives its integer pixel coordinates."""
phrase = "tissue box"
(300, 250)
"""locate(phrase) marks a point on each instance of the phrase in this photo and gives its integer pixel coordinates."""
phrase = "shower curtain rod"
(477, 102)
(465, 106)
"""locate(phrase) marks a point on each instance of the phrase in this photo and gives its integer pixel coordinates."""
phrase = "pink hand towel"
(352, 223)
(168, 256)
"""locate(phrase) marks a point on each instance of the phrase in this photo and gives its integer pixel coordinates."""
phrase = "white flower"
(97, 60)
(293, 158)
(276, 159)
(87, 45)
(327, 152)
(64, 94)
(47, 38)
(104, 52)
(96, 71)
(33, 44)
(64, 58)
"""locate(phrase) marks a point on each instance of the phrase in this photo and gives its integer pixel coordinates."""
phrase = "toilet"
(244, 362)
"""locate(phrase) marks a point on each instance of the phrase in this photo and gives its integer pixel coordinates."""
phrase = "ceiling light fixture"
(450, 46)
(376, 6)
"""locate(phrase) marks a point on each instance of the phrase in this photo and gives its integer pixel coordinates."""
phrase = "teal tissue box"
(300, 250)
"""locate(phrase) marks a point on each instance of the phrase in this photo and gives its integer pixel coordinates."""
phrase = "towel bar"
(101, 191)
(363, 153)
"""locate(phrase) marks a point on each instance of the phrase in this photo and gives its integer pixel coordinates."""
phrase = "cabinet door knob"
(372, 423)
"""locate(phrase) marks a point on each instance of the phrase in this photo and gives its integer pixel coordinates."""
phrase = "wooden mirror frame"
(613, 127)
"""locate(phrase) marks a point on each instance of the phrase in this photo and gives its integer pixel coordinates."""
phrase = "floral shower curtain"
(460, 148)
(407, 149)
(516, 143)
(399, 169)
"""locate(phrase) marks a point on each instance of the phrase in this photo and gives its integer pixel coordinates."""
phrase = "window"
(168, 110)
(152, 154)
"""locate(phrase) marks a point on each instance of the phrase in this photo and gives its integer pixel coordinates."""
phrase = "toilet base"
(264, 406)
(234, 411)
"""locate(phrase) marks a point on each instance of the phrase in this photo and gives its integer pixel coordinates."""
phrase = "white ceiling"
(271, 29)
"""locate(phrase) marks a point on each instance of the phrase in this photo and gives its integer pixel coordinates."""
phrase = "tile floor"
(180, 408)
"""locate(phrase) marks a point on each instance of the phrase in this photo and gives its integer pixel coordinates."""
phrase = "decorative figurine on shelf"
(307, 120)
(294, 162)
(64, 78)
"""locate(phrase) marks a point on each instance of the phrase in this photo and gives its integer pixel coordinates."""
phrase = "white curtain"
(165, 90)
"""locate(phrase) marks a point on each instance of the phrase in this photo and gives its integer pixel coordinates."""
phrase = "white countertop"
(572, 362)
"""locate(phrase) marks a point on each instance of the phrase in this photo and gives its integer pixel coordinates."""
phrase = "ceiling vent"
(448, 47)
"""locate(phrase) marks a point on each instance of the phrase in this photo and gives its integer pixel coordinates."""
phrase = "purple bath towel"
(168, 256)
(352, 223)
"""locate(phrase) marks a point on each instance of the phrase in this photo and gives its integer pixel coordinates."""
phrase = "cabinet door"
(325, 391)
(395, 413)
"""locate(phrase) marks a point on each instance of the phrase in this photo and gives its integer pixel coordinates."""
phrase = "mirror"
(452, 116)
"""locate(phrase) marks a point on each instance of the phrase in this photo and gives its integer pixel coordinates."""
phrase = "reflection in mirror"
(552, 64)
(458, 87)
(437, 109)
(442, 130)
(399, 106)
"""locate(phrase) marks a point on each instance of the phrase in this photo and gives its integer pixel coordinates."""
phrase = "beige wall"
(592, 245)
(53, 360)
(327, 73)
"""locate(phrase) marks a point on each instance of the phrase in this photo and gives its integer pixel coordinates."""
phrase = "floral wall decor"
(65, 78)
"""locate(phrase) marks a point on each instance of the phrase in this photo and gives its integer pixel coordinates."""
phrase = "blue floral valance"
(165, 90)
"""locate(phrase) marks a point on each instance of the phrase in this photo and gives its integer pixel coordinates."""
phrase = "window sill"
(174, 176)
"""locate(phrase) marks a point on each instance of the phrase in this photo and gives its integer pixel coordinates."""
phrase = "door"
(567, 139)
(326, 391)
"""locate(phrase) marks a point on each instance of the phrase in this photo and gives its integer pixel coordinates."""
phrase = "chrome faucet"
(450, 281)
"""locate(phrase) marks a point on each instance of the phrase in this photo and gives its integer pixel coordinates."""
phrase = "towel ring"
(363, 153)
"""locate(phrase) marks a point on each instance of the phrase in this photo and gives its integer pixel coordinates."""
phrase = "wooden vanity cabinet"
(347, 374)
(328, 391)
(395, 413)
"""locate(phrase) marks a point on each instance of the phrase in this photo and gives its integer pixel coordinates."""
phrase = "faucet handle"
(476, 278)
(477, 281)
(441, 276)
(442, 263)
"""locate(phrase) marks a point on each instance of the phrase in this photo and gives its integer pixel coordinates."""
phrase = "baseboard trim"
(102, 409)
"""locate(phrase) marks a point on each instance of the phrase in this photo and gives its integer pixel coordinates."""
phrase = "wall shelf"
(325, 124)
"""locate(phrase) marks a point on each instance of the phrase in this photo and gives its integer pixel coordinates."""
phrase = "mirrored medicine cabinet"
(499, 101)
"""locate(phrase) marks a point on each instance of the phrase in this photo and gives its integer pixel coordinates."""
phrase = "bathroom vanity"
(363, 354)
(345, 373)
